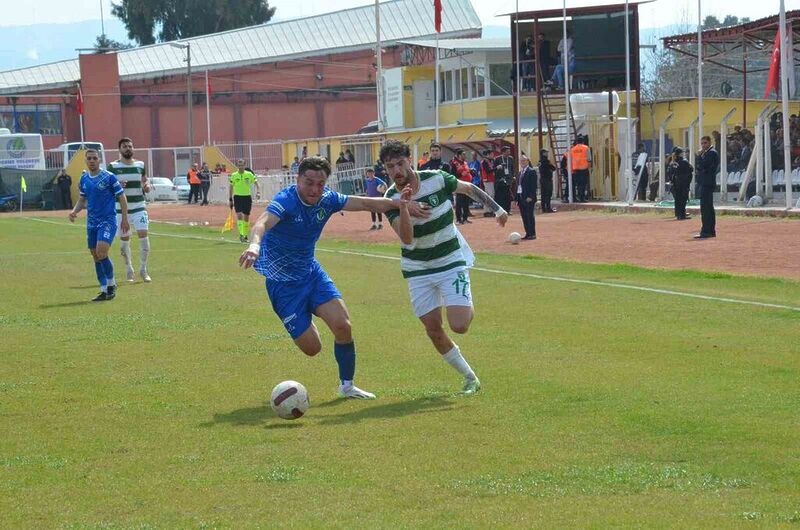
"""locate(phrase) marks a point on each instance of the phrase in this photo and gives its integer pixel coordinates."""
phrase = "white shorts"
(443, 289)
(138, 221)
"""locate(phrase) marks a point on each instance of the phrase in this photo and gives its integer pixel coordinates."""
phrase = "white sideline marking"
(510, 273)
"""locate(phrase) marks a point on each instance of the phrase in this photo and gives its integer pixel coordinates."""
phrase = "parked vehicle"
(182, 185)
(161, 189)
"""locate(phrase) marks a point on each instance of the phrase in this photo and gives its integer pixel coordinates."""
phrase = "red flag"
(80, 101)
(437, 15)
(773, 79)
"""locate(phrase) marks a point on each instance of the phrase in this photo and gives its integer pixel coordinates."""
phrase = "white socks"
(454, 359)
(144, 251)
(125, 250)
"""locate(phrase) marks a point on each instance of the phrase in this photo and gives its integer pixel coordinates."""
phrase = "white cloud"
(32, 54)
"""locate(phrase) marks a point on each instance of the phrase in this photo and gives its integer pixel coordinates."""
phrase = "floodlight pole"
(662, 159)
(692, 150)
(628, 120)
(568, 117)
(379, 63)
(699, 71)
(786, 41)
(767, 183)
(723, 156)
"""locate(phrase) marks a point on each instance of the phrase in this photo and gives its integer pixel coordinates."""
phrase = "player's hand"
(502, 218)
(528, 199)
(249, 256)
(124, 226)
(418, 209)
(72, 216)
(146, 187)
(405, 195)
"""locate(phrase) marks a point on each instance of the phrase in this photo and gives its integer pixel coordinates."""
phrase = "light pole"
(188, 49)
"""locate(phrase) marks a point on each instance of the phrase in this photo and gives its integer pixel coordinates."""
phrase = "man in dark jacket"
(435, 161)
(679, 172)
(707, 163)
(64, 183)
(504, 176)
(526, 198)
(546, 169)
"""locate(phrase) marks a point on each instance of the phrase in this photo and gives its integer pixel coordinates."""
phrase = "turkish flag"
(774, 77)
(437, 15)
(80, 101)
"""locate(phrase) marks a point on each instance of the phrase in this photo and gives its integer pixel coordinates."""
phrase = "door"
(424, 98)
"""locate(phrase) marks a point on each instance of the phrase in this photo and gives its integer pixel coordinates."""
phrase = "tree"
(104, 44)
(711, 22)
(150, 21)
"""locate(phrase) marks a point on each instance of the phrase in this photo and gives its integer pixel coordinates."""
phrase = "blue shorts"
(104, 231)
(294, 302)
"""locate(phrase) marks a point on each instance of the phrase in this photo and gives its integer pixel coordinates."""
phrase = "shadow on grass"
(65, 304)
(248, 416)
(391, 410)
(93, 286)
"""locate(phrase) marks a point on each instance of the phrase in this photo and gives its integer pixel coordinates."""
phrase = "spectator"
(526, 198)
(205, 182)
(194, 184)
(461, 171)
(526, 55)
(504, 176)
(295, 165)
(341, 159)
(543, 55)
(64, 185)
(424, 160)
(487, 179)
(348, 156)
(707, 163)
(475, 169)
(581, 162)
(435, 161)
(374, 187)
(558, 74)
(546, 169)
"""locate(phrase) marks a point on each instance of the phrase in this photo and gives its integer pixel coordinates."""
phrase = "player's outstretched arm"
(262, 225)
(474, 192)
(383, 205)
(80, 205)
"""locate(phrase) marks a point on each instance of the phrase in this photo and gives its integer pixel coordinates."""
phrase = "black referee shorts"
(242, 204)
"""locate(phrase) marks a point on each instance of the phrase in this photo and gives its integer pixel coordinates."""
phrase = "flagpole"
(80, 110)
(436, 87)
(208, 110)
(21, 192)
(699, 71)
(567, 118)
(787, 159)
(517, 116)
(628, 118)
(379, 63)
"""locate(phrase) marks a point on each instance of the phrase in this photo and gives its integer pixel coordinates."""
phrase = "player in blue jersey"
(100, 191)
(282, 250)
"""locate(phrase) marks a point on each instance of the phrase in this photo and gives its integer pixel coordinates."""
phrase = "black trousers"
(502, 196)
(376, 216)
(194, 191)
(462, 207)
(528, 219)
(580, 179)
(204, 186)
(641, 188)
(547, 194)
(680, 191)
(66, 198)
(707, 213)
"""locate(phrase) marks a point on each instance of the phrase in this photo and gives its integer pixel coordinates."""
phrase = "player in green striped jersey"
(436, 261)
(132, 174)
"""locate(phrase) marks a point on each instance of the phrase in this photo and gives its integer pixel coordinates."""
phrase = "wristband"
(254, 248)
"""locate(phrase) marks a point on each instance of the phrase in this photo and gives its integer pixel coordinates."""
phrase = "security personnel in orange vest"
(581, 162)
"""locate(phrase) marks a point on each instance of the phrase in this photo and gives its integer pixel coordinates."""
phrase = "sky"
(655, 14)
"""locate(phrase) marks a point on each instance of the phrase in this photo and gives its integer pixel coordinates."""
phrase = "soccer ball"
(289, 400)
(514, 238)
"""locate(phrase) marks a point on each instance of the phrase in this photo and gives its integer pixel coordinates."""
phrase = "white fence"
(260, 157)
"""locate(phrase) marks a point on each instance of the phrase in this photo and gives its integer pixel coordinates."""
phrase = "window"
(478, 82)
(40, 119)
(500, 77)
(465, 83)
(457, 85)
(448, 86)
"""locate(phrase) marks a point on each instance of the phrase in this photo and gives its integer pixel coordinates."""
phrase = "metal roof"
(535, 6)
(337, 32)
(464, 44)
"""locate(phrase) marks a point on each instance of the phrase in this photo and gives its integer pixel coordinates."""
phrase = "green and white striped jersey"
(130, 176)
(436, 246)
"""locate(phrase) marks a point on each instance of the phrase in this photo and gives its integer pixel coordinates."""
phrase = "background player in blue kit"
(100, 191)
(282, 249)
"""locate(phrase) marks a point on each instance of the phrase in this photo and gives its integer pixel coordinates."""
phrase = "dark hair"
(506, 147)
(435, 145)
(314, 163)
(706, 138)
(459, 151)
(370, 170)
(394, 149)
(123, 140)
(91, 150)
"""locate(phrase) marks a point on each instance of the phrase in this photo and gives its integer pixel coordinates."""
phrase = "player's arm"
(402, 223)
(145, 182)
(79, 205)
(383, 205)
(475, 193)
(230, 193)
(123, 206)
(262, 225)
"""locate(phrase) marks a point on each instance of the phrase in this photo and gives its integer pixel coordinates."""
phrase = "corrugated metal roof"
(341, 31)
(557, 5)
(465, 44)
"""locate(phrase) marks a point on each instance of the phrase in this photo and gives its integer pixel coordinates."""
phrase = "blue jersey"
(371, 186)
(101, 192)
(287, 250)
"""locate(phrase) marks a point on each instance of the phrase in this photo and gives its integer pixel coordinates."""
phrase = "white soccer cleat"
(129, 276)
(145, 277)
(353, 392)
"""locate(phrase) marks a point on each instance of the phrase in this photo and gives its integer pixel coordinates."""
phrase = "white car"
(162, 189)
(182, 185)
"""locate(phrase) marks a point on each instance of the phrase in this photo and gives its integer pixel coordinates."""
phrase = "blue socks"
(101, 274)
(346, 359)
(108, 270)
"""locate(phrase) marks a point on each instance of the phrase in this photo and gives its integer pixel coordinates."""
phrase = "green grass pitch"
(601, 406)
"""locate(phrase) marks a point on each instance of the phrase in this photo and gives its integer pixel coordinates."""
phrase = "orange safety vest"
(580, 157)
